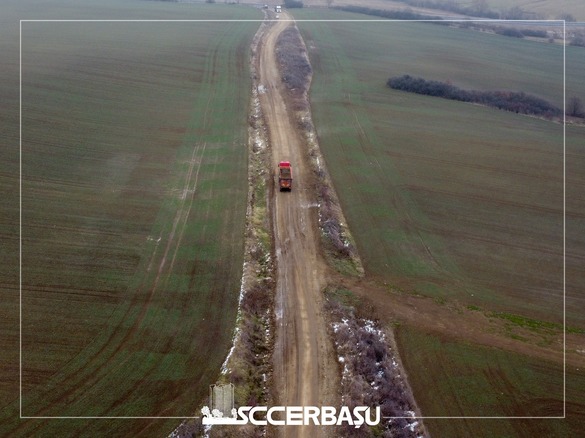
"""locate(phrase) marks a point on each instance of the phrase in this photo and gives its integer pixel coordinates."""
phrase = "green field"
(134, 185)
(458, 202)
(449, 199)
(452, 379)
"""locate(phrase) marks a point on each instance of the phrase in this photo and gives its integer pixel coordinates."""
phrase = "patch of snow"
(411, 426)
(224, 367)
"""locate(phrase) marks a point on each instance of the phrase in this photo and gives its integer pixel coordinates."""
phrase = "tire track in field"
(211, 67)
(196, 159)
(178, 228)
(184, 216)
(188, 192)
(364, 140)
(97, 366)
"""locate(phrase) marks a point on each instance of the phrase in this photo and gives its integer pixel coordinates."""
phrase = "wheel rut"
(302, 360)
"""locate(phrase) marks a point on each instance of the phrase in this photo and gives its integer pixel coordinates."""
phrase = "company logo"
(223, 412)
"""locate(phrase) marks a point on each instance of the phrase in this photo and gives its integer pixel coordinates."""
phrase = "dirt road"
(303, 365)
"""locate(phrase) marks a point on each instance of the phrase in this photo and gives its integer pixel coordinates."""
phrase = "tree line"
(392, 15)
(518, 102)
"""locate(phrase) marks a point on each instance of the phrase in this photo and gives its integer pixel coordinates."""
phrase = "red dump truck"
(285, 176)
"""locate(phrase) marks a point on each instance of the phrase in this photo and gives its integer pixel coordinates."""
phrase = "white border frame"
(319, 21)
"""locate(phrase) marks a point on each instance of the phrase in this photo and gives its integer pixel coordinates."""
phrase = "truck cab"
(285, 176)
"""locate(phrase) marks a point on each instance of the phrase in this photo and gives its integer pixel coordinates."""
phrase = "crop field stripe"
(403, 208)
(520, 171)
(465, 375)
(179, 225)
(180, 218)
(17, 380)
(188, 190)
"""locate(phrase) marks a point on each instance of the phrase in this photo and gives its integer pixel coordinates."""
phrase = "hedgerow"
(518, 102)
(371, 375)
(293, 60)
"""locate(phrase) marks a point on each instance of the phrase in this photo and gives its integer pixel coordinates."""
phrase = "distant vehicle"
(285, 176)
(277, 16)
(278, 9)
(265, 7)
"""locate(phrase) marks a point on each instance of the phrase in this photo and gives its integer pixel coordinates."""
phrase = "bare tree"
(578, 40)
(575, 107)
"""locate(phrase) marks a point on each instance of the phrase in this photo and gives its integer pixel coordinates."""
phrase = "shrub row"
(393, 15)
(518, 102)
(475, 9)
(370, 376)
(578, 40)
(520, 33)
(293, 61)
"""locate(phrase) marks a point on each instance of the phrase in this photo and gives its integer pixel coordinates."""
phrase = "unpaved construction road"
(303, 360)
